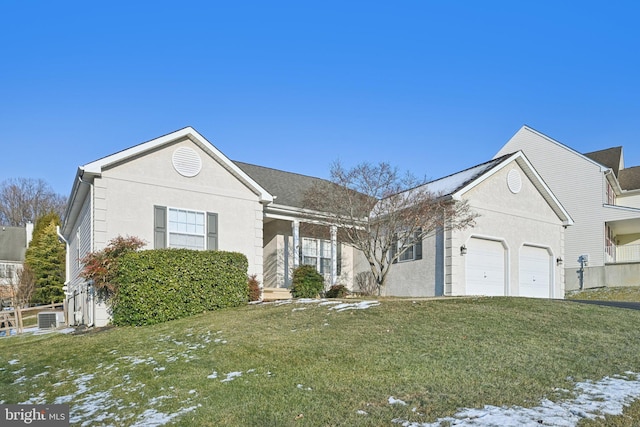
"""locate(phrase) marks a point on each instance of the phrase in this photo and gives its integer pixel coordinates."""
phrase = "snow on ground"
(333, 304)
(593, 400)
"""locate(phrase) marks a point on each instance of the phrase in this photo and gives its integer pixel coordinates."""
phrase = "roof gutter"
(613, 180)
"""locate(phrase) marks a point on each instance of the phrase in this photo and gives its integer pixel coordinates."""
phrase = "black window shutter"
(212, 231)
(339, 256)
(160, 227)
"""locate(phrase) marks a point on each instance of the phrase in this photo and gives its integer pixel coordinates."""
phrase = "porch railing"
(623, 253)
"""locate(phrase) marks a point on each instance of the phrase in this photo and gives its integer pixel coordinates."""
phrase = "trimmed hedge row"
(166, 284)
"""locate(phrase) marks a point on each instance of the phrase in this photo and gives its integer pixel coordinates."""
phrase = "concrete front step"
(274, 294)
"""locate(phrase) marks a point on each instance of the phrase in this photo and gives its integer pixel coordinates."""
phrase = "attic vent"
(514, 181)
(187, 162)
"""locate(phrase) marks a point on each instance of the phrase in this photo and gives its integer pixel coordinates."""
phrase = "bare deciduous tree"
(25, 286)
(24, 200)
(382, 213)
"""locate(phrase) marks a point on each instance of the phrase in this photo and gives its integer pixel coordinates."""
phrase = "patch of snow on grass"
(153, 417)
(13, 362)
(594, 400)
(394, 401)
(362, 305)
(231, 376)
(213, 376)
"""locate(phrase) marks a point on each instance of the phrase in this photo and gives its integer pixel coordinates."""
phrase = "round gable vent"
(187, 162)
(514, 181)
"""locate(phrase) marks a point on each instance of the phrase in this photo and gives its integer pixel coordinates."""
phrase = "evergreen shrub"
(337, 291)
(307, 282)
(166, 284)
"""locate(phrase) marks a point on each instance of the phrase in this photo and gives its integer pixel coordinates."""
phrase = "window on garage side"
(184, 228)
(409, 247)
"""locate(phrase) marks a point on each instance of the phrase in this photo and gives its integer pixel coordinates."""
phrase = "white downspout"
(91, 312)
(67, 279)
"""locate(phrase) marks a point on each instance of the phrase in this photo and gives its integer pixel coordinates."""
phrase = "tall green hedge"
(166, 284)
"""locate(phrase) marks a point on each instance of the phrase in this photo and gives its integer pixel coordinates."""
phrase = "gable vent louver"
(514, 181)
(186, 162)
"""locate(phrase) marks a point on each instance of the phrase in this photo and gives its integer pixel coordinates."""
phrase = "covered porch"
(291, 241)
(622, 241)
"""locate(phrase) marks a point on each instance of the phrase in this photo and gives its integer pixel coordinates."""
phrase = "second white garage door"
(485, 267)
(535, 272)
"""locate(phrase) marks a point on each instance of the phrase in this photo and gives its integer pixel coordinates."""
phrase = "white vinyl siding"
(80, 244)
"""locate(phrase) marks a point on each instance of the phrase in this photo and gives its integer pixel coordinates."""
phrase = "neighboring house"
(14, 242)
(603, 198)
(181, 191)
(516, 247)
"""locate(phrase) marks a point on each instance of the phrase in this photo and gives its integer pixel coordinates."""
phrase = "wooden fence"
(15, 319)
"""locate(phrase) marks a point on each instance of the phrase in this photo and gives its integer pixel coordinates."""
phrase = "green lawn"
(631, 294)
(308, 364)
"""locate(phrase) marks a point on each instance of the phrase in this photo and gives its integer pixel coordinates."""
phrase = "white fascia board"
(97, 166)
(571, 150)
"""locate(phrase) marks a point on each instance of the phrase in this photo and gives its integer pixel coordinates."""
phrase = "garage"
(535, 272)
(485, 267)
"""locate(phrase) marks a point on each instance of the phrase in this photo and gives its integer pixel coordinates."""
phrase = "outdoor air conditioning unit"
(50, 319)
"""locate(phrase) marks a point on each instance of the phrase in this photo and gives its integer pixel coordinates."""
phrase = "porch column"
(334, 254)
(296, 243)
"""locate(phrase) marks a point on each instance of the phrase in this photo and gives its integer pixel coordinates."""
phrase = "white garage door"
(485, 268)
(535, 272)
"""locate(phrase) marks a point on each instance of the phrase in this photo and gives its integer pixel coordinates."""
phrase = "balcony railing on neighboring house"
(624, 253)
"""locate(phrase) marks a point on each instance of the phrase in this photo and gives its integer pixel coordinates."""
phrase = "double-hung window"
(7, 271)
(184, 228)
(317, 252)
(409, 247)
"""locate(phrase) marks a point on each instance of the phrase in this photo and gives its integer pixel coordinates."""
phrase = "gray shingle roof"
(13, 243)
(629, 178)
(609, 157)
(289, 188)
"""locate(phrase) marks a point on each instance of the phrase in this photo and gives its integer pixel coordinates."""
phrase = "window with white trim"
(7, 271)
(317, 252)
(611, 195)
(411, 245)
(185, 228)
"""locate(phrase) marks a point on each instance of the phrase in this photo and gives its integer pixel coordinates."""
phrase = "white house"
(14, 242)
(603, 198)
(179, 190)
(516, 247)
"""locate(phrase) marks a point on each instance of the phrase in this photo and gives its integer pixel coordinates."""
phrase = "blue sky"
(430, 87)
